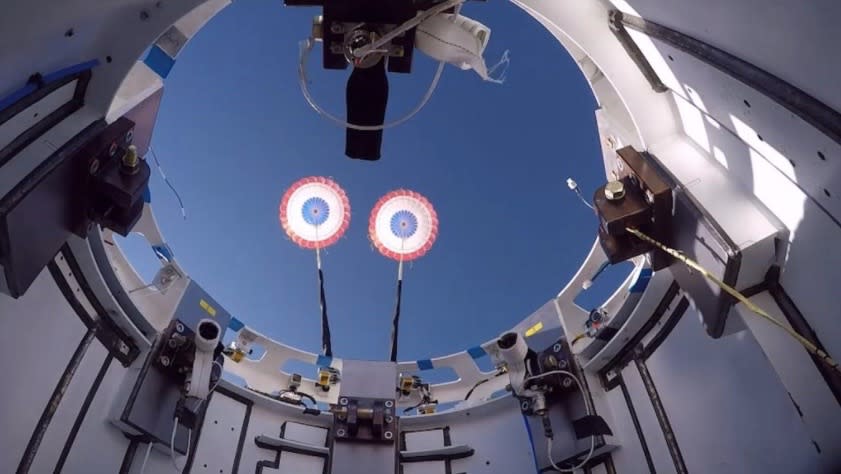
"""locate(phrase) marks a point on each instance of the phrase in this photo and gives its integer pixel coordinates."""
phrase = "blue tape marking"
(163, 252)
(235, 324)
(159, 61)
(531, 443)
(476, 352)
(642, 281)
(52, 77)
(425, 364)
(323, 361)
(147, 195)
(70, 70)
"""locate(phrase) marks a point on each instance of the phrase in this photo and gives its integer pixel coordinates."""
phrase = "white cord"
(146, 457)
(586, 407)
(172, 444)
(306, 48)
(408, 25)
(573, 186)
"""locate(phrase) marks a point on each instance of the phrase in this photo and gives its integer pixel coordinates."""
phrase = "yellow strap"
(735, 293)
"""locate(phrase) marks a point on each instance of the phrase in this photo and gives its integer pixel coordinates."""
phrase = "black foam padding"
(590, 425)
(367, 97)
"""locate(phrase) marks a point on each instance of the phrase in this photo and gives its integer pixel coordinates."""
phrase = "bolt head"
(567, 382)
(389, 403)
(343, 401)
(388, 435)
(94, 166)
(614, 191)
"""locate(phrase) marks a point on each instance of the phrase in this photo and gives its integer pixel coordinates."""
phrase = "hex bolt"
(614, 191)
(388, 435)
(343, 401)
(389, 404)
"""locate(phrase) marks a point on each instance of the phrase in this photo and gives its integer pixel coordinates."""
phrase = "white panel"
(263, 421)
(726, 406)
(99, 446)
(421, 440)
(654, 437)
(507, 451)
(293, 463)
(220, 433)
(36, 112)
(41, 318)
(782, 169)
(793, 40)
(65, 415)
(801, 378)
(432, 467)
(314, 435)
(629, 456)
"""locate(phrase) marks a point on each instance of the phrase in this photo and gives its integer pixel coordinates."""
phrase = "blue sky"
(234, 132)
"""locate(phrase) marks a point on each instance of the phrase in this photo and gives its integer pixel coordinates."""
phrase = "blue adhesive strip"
(163, 252)
(642, 281)
(235, 324)
(159, 61)
(425, 364)
(147, 195)
(476, 352)
(323, 361)
(52, 77)
(69, 71)
(531, 443)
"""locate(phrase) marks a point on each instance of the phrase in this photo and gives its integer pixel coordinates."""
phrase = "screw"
(389, 404)
(389, 419)
(341, 417)
(129, 136)
(113, 149)
(343, 401)
(94, 166)
(388, 435)
(340, 432)
(525, 405)
(562, 364)
(123, 347)
(165, 361)
(611, 143)
(179, 327)
(336, 28)
(171, 343)
(567, 382)
(336, 48)
(557, 347)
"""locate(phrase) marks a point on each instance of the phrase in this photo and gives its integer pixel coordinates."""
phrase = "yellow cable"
(576, 339)
(735, 293)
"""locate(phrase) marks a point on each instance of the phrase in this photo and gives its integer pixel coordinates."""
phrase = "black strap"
(326, 345)
(395, 323)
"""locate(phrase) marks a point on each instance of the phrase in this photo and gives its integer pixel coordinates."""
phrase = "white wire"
(302, 79)
(172, 444)
(586, 407)
(408, 25)
(584, 200)
(146, 457)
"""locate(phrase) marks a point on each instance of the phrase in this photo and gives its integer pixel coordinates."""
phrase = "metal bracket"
(365, 419)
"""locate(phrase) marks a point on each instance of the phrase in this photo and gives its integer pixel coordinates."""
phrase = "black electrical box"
(82, 183)
(645, 204)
